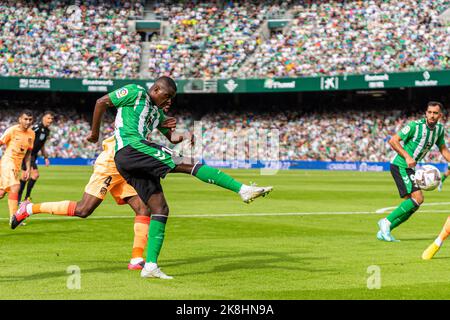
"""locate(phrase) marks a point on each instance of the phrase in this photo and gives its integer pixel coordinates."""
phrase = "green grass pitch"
(217, 247)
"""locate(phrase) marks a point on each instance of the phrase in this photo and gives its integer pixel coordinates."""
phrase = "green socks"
(443, 177)
(402, 213)
(211, 175)
(156, 237)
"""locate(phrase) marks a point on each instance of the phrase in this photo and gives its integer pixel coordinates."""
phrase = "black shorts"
(142, 165)
(33, 163)
(404, 179)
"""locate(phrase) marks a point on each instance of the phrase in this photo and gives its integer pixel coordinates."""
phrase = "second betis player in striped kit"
(412, 143)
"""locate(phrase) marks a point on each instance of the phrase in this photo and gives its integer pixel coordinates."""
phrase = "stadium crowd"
(57, 39)
(345, 37)
(326, 136)
(215, 39)
(323, 38)
(208, 39)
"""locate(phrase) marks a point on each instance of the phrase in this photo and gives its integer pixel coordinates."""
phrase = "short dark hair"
(436, 103)
(26, 112)
(48, 112)
(168, 82)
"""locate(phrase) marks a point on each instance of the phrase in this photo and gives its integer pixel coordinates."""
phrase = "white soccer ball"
(428, 177)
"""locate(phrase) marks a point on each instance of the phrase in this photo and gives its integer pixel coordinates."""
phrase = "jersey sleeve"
(6, 136)
(407, 132)
(441, 138)
(124, 97)
(162, 117)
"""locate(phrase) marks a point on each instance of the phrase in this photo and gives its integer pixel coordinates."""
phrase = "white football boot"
(151, 270)
(250, 193)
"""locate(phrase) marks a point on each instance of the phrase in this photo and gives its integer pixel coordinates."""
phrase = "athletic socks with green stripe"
(402, 213)
(212, 175)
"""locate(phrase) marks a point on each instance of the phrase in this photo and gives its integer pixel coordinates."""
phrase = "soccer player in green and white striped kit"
(412, 143)
(143, 164)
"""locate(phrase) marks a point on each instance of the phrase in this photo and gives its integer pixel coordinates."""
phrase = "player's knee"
(35, 176)
(84, 211)
(418, 198)
(162, 210)
(142, 211)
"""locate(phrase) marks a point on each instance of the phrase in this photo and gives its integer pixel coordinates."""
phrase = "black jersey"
(41, 135)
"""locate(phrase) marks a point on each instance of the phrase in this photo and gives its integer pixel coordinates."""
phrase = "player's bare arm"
(394, 142)
(445, 152)
(100, 107)
(171, 123)
(45, 155)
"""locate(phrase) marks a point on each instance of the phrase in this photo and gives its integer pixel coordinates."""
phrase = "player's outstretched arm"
(100, 107)
(394, 142)
(445, 152)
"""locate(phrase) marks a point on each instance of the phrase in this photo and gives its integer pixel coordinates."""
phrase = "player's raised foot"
(151, 270)
(429, 252)
(136, 264)
(20, 216)
(440, 186)
(250, 193)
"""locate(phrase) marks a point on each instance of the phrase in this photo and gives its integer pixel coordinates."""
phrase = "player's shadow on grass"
(417, 239)
(441, 258)
(249, 260)
(55, 274)
(23, 235)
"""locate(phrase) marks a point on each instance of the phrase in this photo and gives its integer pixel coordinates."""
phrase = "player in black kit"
(42, 132)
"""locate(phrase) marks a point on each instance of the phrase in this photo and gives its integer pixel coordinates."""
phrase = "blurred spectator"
(208, 40)
(345, 37)
(326, 136)
(55, 39)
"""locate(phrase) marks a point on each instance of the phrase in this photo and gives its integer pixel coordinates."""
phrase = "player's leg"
(123, 193)
(34, 176)
(82, 208)
(141, 228)
(10, 172)
(443, 178)
(160, 212)
(436, 245)
(212, 175)
(142, 166)
(406, 209)
(13, 200)
(23, 181)
(413, 198)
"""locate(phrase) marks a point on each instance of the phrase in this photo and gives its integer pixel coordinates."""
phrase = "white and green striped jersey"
(418, 139)
(136, 115)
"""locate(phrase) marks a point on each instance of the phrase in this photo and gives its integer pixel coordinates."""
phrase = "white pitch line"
(218, 215)
(224, 215)
(383, 210)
